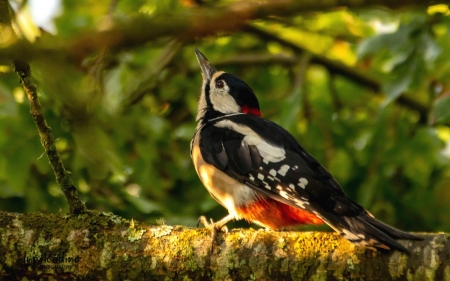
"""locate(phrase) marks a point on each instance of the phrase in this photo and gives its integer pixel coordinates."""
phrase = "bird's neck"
(207, 114)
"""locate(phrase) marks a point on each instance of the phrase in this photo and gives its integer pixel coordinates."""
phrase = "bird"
(259, 172)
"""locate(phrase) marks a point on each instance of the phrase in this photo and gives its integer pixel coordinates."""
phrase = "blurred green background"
(365, 91)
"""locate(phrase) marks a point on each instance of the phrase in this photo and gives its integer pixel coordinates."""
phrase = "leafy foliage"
(124, 119)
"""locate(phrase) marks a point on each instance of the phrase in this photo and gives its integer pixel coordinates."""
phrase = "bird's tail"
(365, 230)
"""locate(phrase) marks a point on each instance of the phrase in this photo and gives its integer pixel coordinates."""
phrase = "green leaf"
(441, 110)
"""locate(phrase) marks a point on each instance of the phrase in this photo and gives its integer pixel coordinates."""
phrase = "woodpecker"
(259, 172)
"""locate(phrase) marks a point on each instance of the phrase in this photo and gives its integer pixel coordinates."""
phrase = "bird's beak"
(207, 69)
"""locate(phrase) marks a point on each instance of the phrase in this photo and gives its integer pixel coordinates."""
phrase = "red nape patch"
(275, 215)
(250, 110)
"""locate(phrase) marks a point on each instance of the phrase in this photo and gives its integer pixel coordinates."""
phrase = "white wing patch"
(302, 182)
(283, 170)
(271, 154)
(268, 152)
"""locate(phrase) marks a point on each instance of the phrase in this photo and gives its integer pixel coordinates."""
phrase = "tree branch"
(201, 22)
(338, 67)
(149, 79)
(332, 65)
(250, 59)
(102, 246)
(185, 24)
(63, 178)
(23, 70)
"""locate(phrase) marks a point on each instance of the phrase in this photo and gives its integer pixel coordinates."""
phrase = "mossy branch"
(102, 246)
(76, 206)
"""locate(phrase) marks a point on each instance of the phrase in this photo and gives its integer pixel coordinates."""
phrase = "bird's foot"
(214, 227)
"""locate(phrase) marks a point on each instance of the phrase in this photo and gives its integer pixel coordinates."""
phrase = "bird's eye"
(220, 84)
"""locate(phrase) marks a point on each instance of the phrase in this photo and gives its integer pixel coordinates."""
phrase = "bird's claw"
(214, 227)
(211, 224)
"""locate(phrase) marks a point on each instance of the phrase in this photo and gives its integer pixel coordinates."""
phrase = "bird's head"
(223, 93)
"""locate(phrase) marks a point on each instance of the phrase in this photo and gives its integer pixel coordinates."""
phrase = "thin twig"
(251, 59)
(149, 80)
(332, 65)
(338, 67)
(76, 206)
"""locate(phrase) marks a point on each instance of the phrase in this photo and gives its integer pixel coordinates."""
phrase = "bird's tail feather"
(370, 232)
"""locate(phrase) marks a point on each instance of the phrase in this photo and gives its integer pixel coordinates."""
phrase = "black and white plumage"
(259, 172)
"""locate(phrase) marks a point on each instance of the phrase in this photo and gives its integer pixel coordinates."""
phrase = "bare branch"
(337, 67)
(332, 65)
(185, 25)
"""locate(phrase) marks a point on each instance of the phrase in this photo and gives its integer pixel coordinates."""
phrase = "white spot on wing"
(260, 176)
(284, 194)
(283, 170)
(302, 183)
(299, 203)
(252, 178)
(292, 186)
(270, 153)
(273, 172)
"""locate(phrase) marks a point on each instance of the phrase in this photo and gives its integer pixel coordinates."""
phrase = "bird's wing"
(268, 159)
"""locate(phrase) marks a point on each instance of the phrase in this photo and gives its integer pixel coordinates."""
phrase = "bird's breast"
(224, 189)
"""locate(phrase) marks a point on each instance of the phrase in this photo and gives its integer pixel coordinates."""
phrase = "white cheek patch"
(223, 102)
(221, 99)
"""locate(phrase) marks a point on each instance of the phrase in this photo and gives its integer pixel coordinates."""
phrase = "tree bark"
(103, 246)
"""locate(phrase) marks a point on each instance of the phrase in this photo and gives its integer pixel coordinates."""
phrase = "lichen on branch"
(103, 246)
